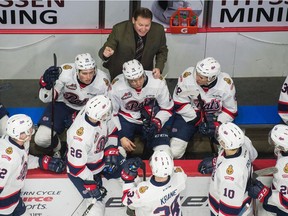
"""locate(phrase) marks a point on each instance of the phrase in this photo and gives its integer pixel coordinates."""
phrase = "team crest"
(106, 81)
(286, 168)
(9, 150)
(143, 189)
(67, 67)
(177, 170)
(114, 81)
(186, 74)
(229, 170)
(80, 131)
(227, 80)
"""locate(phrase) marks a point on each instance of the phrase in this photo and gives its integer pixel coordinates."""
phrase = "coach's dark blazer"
(122, 41)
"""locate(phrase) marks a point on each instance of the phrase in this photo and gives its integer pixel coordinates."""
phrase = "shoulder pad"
(67, 67)
(178, 169)
(186, 74)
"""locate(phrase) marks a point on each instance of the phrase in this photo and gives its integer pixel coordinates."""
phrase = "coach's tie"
(139, 48)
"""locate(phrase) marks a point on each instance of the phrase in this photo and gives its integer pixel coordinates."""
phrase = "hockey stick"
(5, 86)
(53, 103)
(89, 207)
(244, 209)
(264, 172)
(143, 167)
(201, 103)
(255, 175)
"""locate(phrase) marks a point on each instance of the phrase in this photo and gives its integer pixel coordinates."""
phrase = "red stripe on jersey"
(233, 115)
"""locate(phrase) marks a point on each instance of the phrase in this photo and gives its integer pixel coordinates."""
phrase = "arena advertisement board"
(48, 14)
(250, 13)
(48, 196)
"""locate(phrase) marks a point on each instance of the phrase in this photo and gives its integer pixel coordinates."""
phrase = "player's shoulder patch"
(9, 150)
(67, 67)
(80, 131)
(106, 81)
(228, 80)
(114, 81)
(178, 169)
(186, 74)
(285, 169)
(143, 189)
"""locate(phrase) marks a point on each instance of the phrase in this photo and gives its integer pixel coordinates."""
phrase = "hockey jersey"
(156, 198)
(227, 191)
(86, 142)
(219, 100)
(14, 166)
(283, 102)
(69, 91)
(128, 102)
(278, 197)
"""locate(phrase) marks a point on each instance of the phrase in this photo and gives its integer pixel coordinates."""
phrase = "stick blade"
(265, 171)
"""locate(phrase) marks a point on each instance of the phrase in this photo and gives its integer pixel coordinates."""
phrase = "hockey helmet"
(132, 69)
(161, 164)
(18, 124)
(84, 62)
(208, 67)
(278, 137)
(230, 136)
(99, 108)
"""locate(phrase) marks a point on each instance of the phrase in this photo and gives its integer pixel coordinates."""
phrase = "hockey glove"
(208, 128)
(130, 167)
(206, 166)
(257, 190)
(53, 164)
(151, 127)
(111, 159)
(94, 191)
(49, 77)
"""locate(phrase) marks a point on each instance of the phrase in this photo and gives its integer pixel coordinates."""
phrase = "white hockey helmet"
(208, 67)
(230, 136)
(132, 69)
(84, 62)
(18, 124)
(161, 164)
(278, 137)
(99, 108)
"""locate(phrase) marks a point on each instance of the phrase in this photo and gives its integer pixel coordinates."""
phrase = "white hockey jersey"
(151, 198)
(69, 91)
(283, 102)
(279, 188)
(227, 191)
(86, 143)
(13, 169)
(128, 102)
(220, 99)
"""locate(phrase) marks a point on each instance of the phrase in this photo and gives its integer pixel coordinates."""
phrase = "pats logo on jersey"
(80, 131)
(9, 150)
(67, 67)
(143, 189)
(229, 170)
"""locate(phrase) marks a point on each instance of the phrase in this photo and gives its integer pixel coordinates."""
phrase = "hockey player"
(283, 102)
(231, 171)
(143, 105)
(75, 84)
(203, 89)
(92, 146)
(275, 198)
(160, 195)
(3, 119)
(15, 161)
